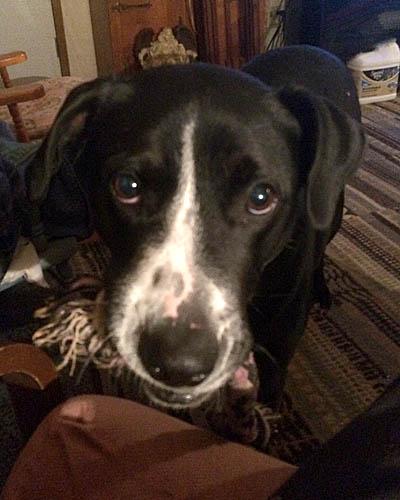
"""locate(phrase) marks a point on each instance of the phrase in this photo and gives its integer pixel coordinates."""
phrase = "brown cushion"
(99, 447)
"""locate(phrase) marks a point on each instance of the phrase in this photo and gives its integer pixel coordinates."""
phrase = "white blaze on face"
(179, 247)
(170, 274)
(173, 261)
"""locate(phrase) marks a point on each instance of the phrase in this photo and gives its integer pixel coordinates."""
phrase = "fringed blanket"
(74, 336)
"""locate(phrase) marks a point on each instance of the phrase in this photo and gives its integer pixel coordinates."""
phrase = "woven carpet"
(350, 354)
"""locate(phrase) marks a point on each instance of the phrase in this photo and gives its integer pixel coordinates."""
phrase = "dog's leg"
(277, 326)
(322, 295)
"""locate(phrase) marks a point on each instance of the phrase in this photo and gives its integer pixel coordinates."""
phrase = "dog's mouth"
(179, 398)
(170, 399)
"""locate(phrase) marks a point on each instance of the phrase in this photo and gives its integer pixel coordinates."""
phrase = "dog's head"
(196, 176)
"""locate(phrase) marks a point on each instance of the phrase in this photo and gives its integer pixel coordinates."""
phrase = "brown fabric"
(99, 447)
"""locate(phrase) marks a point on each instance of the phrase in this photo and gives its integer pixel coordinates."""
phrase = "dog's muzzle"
(179, 351)
(182, 343)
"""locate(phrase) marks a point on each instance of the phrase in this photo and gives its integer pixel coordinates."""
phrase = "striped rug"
(350, 354)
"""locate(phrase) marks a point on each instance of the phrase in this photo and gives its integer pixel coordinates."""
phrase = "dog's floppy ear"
(331, 148)
(68, 136)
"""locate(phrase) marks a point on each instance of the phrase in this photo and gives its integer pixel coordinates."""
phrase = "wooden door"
(116, 24)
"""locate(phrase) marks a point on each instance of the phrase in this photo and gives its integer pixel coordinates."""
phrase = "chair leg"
(20, 130)
(5, 77)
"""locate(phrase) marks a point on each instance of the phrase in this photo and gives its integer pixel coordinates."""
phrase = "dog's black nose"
(178, 353)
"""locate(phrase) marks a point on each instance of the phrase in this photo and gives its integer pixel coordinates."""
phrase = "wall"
(79, 38)
(29, 26)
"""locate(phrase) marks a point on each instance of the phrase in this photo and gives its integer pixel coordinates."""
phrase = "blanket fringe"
(72, 329)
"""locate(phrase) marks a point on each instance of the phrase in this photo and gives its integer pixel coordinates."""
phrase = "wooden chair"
(10, 96)
(31, 108)
(32, 381)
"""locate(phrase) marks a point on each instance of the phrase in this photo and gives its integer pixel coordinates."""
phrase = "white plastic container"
(376, 73)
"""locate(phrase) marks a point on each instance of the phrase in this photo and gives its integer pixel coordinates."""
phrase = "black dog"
(217, 196)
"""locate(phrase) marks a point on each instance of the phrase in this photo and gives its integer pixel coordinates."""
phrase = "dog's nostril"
(177, 355)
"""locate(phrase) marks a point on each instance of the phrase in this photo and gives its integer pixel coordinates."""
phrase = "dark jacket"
(62, 214)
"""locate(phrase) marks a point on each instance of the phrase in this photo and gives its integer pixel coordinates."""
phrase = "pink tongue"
(240, 379)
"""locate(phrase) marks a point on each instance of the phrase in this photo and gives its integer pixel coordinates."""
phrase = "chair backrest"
(26, 365)
(32, 382)
(11, 96)
(10, 59)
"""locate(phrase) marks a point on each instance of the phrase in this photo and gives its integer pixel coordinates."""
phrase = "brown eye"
(262, 199)
(126, 188)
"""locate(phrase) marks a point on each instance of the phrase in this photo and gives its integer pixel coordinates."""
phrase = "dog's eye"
(262, 199)
(126, 188)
